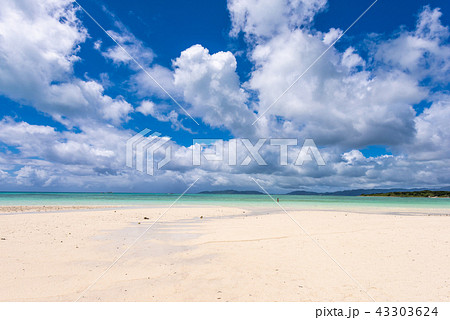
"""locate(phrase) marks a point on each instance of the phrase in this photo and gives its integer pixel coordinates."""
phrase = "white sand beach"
(230, 254)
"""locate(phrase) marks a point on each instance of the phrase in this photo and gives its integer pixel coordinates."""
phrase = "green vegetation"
(423, 194)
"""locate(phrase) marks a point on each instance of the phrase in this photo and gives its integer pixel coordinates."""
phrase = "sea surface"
(129, 199)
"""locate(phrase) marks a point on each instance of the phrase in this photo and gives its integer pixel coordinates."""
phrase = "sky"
(74, 90)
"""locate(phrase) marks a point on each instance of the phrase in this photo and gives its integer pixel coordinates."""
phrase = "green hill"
(422, 194)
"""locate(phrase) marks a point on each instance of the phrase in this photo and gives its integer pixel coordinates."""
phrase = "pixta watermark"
(142, 147)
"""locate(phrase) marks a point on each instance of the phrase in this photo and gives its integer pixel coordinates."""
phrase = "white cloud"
(352, 156)
(432, 141)
(130, 46)
(331, 36)
(351, 59)
(333, 103)
(94, 145)
(424, 52)
(211, 85)
(161, 113)
(39, 42)
(145, 86)
(98, 44)
(94, 160)
(3, 176)
(264, 18)
(146, 108)
(344, 102)
(30, 176)
(116, 110)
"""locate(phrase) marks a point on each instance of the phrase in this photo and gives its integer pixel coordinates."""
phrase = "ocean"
(296, 201)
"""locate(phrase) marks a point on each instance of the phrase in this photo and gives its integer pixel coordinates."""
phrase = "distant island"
(422, 194)
(360, 192)
(440, 192)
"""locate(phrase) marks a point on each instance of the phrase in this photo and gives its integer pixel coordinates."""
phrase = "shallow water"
(319, 202)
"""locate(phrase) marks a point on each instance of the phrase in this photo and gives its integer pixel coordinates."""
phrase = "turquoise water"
(21, 198)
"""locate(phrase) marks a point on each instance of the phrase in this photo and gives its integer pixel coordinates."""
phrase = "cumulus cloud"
(161, 113)
(30, 176)
(39, 42)
(334, 102)
(331, 36)
(129, 47)
(432, 141)
(345, 103)
(93, 146)
(146, 108)
(145, 86)
(211, 86)
(264, 18)
(423, 52)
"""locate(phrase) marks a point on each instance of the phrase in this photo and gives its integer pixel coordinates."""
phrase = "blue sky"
(376, 104)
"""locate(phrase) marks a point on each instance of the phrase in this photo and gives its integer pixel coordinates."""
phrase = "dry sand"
(231, 254)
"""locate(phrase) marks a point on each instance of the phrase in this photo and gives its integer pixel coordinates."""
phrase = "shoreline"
(35, 209)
